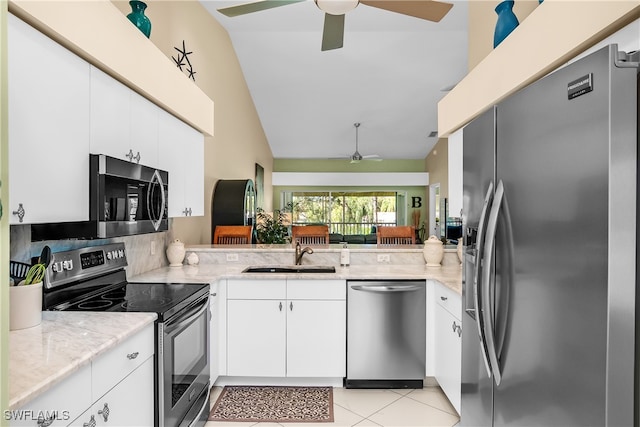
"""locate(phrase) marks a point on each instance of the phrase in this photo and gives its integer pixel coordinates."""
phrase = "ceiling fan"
(356, 157)
(333, 33)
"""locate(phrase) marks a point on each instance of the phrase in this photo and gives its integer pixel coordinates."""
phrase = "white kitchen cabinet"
(122, 378)
(316, 338)
(181, 153)
(293, 331)
(129, 403)
(448, 342)
(256, 338)
(124, 124)
(49, 92)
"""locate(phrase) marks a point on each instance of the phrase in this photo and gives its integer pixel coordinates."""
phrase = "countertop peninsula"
(44, 355)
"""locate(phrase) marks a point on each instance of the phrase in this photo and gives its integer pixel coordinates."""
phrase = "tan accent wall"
(239, 141)
(554, 32)
(437, 164)
(482, 23)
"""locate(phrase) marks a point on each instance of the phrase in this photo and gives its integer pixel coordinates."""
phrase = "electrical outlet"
(232, 257)
(153, 247)
(384, 258)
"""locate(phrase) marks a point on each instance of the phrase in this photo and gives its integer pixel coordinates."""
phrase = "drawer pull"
(91, 423)
(132, 356)
(444, 298)
(105, 412)
(45, 422)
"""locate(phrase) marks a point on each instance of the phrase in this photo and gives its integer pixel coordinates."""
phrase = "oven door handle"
(191, 315)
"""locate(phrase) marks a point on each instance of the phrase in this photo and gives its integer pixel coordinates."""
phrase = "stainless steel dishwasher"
(386, 334)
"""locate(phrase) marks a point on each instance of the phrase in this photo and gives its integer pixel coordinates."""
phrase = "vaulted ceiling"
(389, 76)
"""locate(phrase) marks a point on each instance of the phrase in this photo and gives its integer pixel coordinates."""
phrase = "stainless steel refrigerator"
(549, 219)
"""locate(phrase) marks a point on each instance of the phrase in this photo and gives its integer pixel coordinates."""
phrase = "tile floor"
(427, 407)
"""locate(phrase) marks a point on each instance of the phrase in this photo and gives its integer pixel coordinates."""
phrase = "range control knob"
(108, 255)
(121, 253)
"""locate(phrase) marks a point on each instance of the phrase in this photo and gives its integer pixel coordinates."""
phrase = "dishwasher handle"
(386, 288)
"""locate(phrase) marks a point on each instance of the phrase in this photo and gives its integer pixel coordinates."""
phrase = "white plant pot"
(25, 306)
(175, 253)
(433, 251)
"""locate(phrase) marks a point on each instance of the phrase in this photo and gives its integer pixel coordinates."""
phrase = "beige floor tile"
(433, 396)
(411, 413)
(367, 423)
(402, 391)
(364, 402)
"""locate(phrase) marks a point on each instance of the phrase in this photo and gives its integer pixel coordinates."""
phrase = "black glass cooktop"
(161, 298)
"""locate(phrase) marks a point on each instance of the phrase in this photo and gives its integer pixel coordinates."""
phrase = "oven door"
(183, 366)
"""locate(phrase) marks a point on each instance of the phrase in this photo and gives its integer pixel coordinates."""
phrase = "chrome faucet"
(300, 252)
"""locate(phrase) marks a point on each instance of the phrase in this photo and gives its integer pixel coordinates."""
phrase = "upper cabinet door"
(48, 128)
(181, 153)
(110, 116)
(144, 129)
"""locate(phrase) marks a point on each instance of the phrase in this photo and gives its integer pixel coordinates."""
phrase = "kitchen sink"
(291, 269)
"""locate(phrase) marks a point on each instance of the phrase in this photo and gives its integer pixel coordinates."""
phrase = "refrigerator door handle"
(477, 293)
(486, 277)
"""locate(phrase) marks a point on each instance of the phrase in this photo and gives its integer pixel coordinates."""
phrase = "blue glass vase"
(507, 21)
(138, 18)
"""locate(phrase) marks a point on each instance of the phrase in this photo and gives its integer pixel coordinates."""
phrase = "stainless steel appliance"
(125, 198)
(94, 279)
(386, 333)
(550, 184)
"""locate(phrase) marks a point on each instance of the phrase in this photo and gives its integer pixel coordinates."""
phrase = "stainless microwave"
(125, 199)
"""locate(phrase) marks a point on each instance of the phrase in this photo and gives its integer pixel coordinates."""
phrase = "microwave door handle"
(156, 218)
(477, 288)
(486, 288)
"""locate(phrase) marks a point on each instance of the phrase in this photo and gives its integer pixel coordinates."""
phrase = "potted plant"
(25, 299)
(273, 229)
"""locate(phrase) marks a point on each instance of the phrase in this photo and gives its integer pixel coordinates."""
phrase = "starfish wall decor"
(183, 61)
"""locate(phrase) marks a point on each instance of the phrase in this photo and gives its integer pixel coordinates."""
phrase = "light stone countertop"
(44, 355)
(450, 276)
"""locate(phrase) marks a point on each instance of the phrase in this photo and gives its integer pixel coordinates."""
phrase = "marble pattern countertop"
(42, 356)
(450, 276)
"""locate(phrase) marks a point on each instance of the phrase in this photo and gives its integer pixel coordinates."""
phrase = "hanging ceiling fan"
(333, 32)
(356, 157)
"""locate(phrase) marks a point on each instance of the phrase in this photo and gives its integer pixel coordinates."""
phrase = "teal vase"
(507, 21)
(138, 18)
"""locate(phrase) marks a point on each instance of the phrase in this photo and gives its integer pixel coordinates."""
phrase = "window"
(345, 213)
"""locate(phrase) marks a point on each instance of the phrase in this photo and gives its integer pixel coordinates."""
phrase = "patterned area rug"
(274, 404)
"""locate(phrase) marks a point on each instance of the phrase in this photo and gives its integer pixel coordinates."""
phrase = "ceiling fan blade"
(333, 32)
(243, 9)
(430, 10)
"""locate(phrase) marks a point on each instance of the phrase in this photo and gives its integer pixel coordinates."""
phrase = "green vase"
(138, 18)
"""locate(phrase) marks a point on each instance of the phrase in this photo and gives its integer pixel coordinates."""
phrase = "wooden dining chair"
(232, 235)
(398, 235)
(310, 234)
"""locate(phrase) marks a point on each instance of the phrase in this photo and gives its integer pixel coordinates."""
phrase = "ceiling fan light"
(336, 7)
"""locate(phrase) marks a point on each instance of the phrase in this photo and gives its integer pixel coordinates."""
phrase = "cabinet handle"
(459, 331)
(129, 155)
(190, 211)
(444, 298)
(20, 212)
(280, 306)
(454, 326)
(45, 422)
(291, 306)
(132, 356)
(105, 412)
(91, 423)
(187, 211)
(137, 157)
